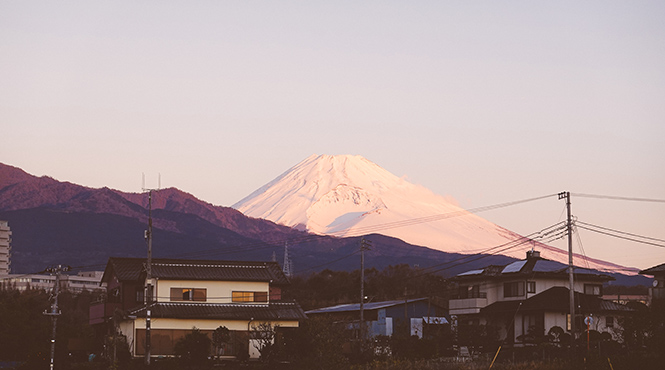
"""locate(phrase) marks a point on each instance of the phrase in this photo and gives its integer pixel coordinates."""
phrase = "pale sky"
(486, 102)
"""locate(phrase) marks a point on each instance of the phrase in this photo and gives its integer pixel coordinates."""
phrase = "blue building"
(387, 317)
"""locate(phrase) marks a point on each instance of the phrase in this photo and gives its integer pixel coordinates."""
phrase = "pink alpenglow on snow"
(345, 195)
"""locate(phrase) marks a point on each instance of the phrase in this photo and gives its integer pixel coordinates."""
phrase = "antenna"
(288, 266)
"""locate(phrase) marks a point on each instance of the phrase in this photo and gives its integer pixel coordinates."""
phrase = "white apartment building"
(5, 249)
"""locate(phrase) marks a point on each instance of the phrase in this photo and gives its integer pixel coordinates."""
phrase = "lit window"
(249, 296)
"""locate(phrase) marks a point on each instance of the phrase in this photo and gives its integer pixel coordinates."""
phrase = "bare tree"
(263, 335)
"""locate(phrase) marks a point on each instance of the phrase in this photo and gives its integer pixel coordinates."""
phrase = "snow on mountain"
(345, 195)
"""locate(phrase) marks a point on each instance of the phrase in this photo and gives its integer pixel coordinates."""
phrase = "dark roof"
(229, 311)
(352, 307)
(532, 266)
(131, 269)
(654, 270)
(556, 299)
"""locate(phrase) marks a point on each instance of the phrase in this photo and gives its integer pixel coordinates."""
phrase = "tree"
(194, 348)
(263, 335)
(220, 336)
(317, 344)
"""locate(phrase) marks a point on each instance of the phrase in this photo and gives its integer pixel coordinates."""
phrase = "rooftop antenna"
(148, 280)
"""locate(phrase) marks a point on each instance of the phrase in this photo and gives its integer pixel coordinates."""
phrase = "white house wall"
(216, 291)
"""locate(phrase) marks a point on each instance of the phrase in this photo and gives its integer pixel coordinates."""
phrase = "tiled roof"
(229, 311)
(351, 307)
(130, 269)
(556, 299)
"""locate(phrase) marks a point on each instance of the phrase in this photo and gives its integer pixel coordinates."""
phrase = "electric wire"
(619, 198)
(620, 236)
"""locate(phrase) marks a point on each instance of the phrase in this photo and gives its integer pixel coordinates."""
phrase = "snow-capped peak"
(347, 195)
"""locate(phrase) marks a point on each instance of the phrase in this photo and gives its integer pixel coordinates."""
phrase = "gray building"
(5, 249)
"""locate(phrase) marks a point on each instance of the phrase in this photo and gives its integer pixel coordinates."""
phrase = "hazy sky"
(487, 102)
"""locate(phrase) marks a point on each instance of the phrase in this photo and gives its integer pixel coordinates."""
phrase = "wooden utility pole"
(571, 282)
(364, 245)
(54, 307)
(148, 280)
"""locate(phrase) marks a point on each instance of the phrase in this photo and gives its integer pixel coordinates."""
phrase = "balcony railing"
(471, 295)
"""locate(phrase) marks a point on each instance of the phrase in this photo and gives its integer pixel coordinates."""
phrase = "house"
(202, 294)
(525, 299)
(385, 318)
(657, 291)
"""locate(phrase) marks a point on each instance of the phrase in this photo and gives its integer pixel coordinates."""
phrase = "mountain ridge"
(349, 195)
(57, 222)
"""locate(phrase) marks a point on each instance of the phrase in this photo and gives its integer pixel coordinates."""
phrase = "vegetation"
(328, 288)
(193, 350)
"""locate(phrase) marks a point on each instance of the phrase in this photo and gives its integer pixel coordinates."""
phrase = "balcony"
(470, 304)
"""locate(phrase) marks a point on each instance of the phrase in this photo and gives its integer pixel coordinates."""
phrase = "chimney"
(532, 254)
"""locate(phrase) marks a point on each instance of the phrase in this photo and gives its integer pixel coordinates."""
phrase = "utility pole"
(148, 279)
(54, 307)
(571, 282)
(364, 245)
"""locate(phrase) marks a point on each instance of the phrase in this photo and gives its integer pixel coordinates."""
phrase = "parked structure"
(527, 298)
(241, 296)
(5, 249)
(384, 318)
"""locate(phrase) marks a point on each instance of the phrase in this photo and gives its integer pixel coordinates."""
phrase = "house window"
(140, 295)
(188, 294)
(513, 289)
(609, 321)
(249, 296)
(530, 286)
(593, 289)
(469, 291)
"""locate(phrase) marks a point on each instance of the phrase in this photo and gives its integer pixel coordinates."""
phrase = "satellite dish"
(655, 283)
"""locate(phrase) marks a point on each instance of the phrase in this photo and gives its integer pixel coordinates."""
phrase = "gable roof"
(228, 311)
(556, 299)
(352, 307)
(133, 269)
(654, 270)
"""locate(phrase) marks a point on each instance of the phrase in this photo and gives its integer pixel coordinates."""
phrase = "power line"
(652, 200)
(620, 232)
(359, 231)
(621, 237)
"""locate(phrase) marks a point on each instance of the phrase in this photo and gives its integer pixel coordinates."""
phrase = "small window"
(609, 321)
(140, 295)
(514, 289)
(188, 294)
(530, 286)
(593, 289)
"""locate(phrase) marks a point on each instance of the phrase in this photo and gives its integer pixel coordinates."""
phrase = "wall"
(216, 291)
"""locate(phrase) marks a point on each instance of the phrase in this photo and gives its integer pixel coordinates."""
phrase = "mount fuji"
(345, 195)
